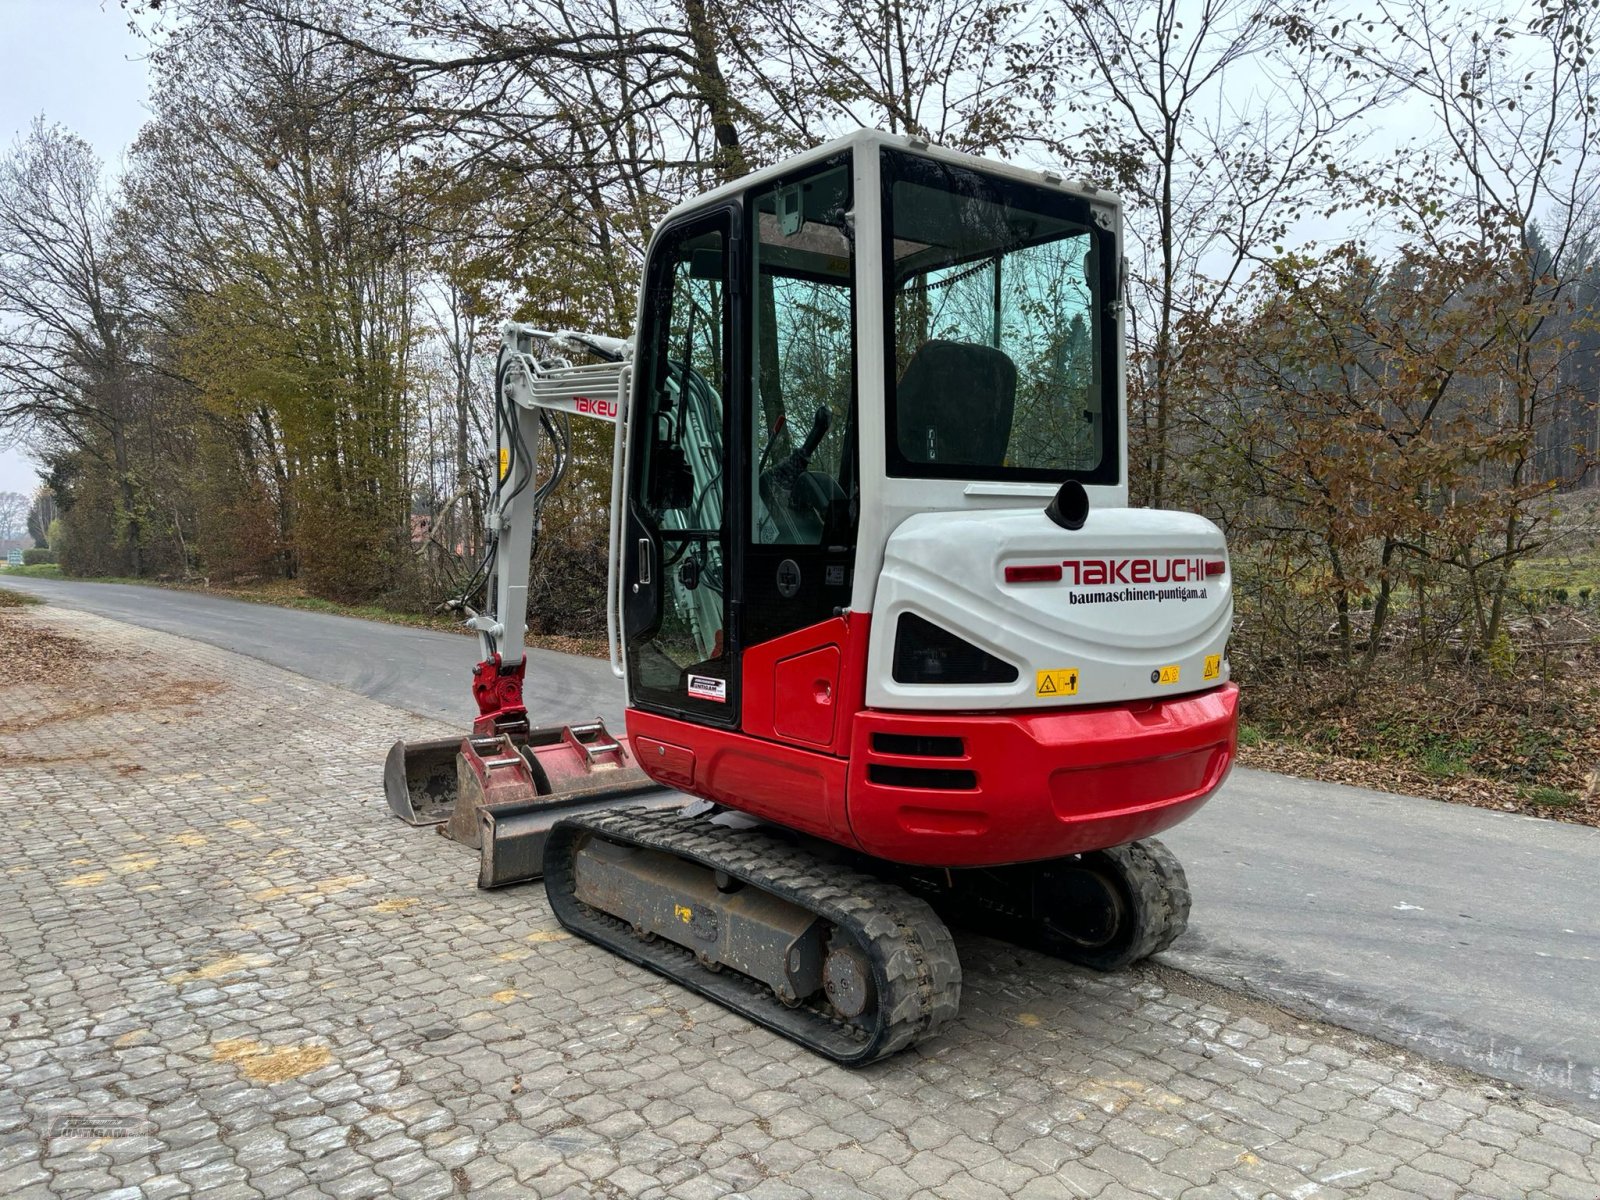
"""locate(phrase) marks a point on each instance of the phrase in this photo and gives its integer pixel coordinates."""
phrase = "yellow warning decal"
(1061, 682)
(1165, 674)
(1213, 666)
(683, 912)
(505, 460)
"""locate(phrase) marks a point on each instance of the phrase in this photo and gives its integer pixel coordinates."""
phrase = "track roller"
(848, 966)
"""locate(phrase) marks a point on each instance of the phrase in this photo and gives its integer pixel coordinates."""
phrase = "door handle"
(646, 555)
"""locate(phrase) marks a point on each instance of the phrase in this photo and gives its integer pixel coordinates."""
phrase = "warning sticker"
(704, 687)
(505, 460)
(1213, 666)
(1061, 682)
(1165, 674)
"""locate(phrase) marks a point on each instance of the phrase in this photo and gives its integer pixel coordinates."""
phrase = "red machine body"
(940, 789)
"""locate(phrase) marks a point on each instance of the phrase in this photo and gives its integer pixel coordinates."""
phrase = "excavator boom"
(501, 788)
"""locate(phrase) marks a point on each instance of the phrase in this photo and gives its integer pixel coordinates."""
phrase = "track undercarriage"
(850, 958)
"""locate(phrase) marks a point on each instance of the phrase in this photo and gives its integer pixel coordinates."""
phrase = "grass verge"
(1521, 742)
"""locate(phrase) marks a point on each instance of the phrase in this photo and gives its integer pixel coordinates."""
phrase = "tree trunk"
(712, 87)
(131, 553)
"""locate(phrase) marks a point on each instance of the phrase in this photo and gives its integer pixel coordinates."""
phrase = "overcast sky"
(75, 62)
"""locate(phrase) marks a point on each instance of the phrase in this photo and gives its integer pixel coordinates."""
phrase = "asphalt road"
(1470, 936)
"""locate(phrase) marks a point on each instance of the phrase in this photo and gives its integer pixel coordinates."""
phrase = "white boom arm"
(525, 387)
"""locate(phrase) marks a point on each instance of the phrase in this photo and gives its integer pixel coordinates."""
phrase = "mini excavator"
(896, 651)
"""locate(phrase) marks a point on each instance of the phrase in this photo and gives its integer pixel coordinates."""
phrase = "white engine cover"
(1102, 634)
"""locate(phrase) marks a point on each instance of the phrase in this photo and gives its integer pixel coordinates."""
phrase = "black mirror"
(705, 264)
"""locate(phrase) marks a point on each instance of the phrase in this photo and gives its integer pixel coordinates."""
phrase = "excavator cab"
(881, 365)
(960, 323)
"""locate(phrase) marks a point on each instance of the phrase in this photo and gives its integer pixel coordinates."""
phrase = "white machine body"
(1130, 613)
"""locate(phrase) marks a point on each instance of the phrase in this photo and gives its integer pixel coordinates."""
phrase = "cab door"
(804, 477)
(679, 573)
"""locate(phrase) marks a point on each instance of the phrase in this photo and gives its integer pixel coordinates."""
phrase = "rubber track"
(915, 968)
(1162, 893)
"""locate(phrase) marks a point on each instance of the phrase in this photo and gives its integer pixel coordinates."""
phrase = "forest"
(1363, 319)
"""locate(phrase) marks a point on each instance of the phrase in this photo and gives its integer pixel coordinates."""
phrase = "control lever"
(819, 430)
(787, 473)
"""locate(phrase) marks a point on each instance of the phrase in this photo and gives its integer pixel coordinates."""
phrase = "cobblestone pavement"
(226, 971)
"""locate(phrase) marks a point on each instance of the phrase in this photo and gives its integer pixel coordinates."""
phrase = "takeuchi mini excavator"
(896, 650)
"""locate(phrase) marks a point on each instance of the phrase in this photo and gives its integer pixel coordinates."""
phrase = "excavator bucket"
(419, 779)
(501, 793)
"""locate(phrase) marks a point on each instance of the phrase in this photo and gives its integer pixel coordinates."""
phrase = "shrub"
(1499, 655)
(38, 558)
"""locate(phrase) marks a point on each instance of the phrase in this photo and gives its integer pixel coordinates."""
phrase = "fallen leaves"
(1528, 743)
(65, 671)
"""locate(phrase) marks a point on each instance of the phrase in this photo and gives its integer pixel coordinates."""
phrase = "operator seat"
(955, 403)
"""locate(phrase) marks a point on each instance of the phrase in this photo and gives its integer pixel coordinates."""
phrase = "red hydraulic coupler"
(498, 691)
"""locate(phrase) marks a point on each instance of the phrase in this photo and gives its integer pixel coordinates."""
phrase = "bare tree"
(1226, 124)
(579, 122)
(68, 367)
(973, 75)
(1516, 98)
(14, 508)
